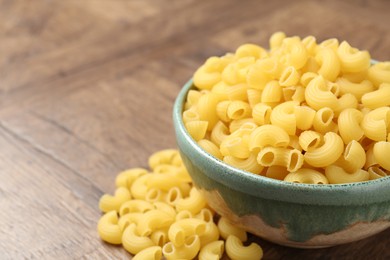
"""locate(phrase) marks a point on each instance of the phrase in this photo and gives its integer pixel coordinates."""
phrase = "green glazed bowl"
(290, 214)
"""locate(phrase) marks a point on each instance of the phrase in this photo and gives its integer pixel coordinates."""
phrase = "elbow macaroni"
(314, 100)
(179, 227)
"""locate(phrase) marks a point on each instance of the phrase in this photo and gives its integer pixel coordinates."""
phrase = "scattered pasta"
(177, 225)
(308, 108)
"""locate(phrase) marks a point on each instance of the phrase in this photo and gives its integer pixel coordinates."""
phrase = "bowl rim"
(357, 193)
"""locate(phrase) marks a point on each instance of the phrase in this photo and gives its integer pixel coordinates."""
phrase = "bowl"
(290, 214)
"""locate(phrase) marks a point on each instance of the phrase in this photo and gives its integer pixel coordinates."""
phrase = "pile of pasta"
(303, 111)
(160, 213)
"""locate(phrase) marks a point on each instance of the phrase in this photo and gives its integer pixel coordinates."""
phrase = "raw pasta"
(180, 225)
(323, 104)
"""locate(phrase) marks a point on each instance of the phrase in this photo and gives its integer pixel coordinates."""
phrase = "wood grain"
(87, 89)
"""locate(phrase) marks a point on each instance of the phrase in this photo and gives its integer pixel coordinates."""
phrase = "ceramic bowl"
(290, 214)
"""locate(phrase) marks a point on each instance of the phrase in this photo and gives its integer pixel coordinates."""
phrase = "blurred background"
(87, 88)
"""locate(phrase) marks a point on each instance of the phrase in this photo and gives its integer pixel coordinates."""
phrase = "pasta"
(194, 203)
(197, 129)
(109, 203)
(381, 153)
(150, 253)
(164, 215)
(352, 60)
(189, 250)
(126, 178)
(326, 154)
(212, 251)
(378, 98)
(226, 228)
(184, 228)
(108, 228)
(133, 242)
(375, 122)
(308, 176)
(336, 174)
(237, 251)
(323, 104)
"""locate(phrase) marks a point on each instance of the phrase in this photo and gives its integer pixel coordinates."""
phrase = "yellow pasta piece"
(219, 133)
(210, 235)
(329, 63)
(221, 110)
(332, 43)
(354, 157)
(276, 40)
(212, 251)
(237, 251)
(381, 151)
(160, 237)
(379, 73)
(352, 60)
(235, 146)
(318, 95)
(238, 110)
(206, 109)
(272, 92)
(375, 172)
(108, 202)
(127, 219)
(181, 229)
(133, 242)
(154, 194)
(377, 98)
(326, 154)
(349, 125)
(307, 77)
(153, 220)
(237, 92)
(227, 228)
(310, 44)
(356, 89)
(194, 202)
(261, 114)
(323, 121)
(268, 135)
(190, 115)
(162, 157)
(165, 208)
(270, 66)
(150, 253)
(236, 124)
(297, 54)
(292, 159)
(283, 116)
(290, 77)
(304, 117)
(336, 174)
(257, 78)
(251, 50)
(183, 214)
(139, 188)
(189, 250)
(197, 129)
(126, 178)
(193, 97)
(375, 122)
(254, 96)
(135, 205)
(250, 164)
(310, 140)
(308, 176)
(210, 148)
(109, 229)
(204, 79)
(346, 101)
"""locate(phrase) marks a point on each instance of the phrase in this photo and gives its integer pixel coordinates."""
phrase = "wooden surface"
(87, 88)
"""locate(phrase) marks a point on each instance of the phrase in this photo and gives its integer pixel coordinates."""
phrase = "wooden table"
(87, 88)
